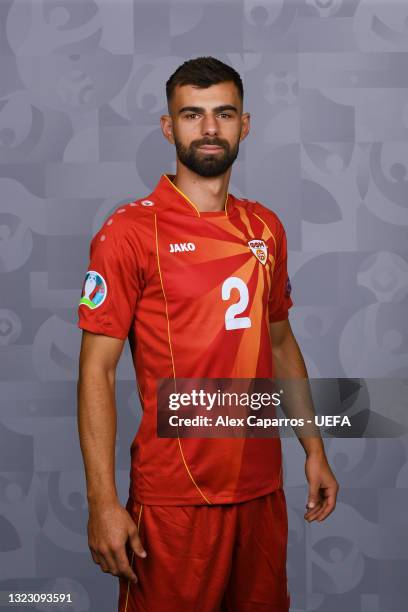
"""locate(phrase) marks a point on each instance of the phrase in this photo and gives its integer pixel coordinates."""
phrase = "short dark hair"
(203, 72)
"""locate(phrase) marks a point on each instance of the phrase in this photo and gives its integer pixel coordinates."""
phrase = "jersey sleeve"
(280, 295)
(112, 284)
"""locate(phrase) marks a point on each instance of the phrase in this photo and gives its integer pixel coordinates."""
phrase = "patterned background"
(81, 92)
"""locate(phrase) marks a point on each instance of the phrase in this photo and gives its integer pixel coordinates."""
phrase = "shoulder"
(269, 216)
(127, 228)
(127, 220)
(266, 214)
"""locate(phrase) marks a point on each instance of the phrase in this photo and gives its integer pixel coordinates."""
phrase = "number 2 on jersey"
(232, 320)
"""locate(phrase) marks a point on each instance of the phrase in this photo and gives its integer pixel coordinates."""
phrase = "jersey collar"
(167, 191)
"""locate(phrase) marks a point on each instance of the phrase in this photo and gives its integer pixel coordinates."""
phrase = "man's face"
(207, 126)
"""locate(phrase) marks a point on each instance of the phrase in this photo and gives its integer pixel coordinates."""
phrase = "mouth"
(210, 148)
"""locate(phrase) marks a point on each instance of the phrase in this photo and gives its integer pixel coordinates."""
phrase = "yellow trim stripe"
(140, 391)
(133, 554)
(189, 473)
(272, 268)
(171, 352)
(192, 203)
(164, 294)
(268, 228)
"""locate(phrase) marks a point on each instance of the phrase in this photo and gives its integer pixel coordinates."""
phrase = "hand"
(109, 528)
(323, 488)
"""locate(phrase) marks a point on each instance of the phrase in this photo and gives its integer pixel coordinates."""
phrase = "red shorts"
(216, 558)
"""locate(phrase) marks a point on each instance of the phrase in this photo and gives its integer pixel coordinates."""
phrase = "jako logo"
(180, 247)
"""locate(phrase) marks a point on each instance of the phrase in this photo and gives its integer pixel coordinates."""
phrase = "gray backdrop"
(82, 89)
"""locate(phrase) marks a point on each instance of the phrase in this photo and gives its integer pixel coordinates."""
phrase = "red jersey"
(194, 292)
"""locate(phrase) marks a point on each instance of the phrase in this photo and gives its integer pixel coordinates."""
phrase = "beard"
(207, 164)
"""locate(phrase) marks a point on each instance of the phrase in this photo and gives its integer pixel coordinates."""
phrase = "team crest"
(259, 249)
(94, 291)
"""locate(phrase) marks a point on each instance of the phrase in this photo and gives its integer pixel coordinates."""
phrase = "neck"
(208, 194)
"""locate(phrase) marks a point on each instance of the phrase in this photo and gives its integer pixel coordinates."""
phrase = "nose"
(209, 125)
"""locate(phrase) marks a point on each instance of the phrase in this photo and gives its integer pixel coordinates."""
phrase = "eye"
(225, 115)
(189, 115)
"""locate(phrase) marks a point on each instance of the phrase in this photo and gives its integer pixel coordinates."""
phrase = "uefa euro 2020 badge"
(94, 291)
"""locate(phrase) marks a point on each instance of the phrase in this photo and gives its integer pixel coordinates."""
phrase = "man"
(197, 280)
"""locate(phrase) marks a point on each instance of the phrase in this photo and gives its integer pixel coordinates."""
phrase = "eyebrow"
(200, 109)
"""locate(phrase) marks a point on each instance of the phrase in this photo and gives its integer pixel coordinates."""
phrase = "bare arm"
(110, 525)
(289, 363)
(97, 414)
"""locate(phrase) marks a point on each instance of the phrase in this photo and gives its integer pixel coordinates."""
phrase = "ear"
(167, 127)
(245, 125)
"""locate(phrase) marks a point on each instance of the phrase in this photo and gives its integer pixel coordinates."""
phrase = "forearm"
(289, 364)
(97, 433)
(288, 361)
